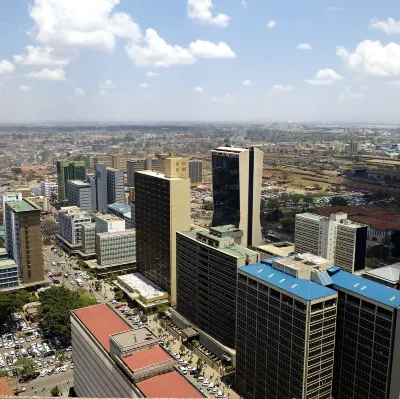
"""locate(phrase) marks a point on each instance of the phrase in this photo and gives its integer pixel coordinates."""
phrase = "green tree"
(295, 198)
(143, 318)
(49, 228)
(182, 349)
(288, 224)
(8, 306)
(60, 356)
(119, 295)
(55, 308)
(338, 201)
(87, 300)
(23, 366)
(161, 309)
(395, 243)
(272, 203)
(97, 285)
(55, 391)
(25, 297)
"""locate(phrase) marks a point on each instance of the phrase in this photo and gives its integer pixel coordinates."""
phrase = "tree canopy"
(338, 201)
(395, 241)
(9, 304)
(55, 310)
(23, 366)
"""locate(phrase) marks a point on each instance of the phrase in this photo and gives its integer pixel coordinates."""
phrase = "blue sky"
(200, 60)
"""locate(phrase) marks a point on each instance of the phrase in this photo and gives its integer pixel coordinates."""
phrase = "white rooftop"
(390, 273)
(142, 285)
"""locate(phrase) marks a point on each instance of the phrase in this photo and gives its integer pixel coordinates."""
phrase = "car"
(194, 372)
(57, 370)
(21, 340)
(205, 383)
(43, 373)
(200, 389)
(51, 371)
(220, 395)
(200, 378)
(72, 282)
(72, 366)
(182, 361)
(28, 339)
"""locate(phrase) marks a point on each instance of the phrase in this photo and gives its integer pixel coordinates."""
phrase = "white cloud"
(78, 23)
(247, 83)
(271, 24)
(390, 27)
(79, 92)
(198, 89)
(351, 95)
(372, 58)
(24, 88)
(244, 4)
(108, 85)
(143, 86)
(45, 56)
(200, 10)
(102, 93)
(325, 77)
(152, 74)
(6, 67)
(206, 49)
(304, 46)
(392, 83)
(227, 98)
(334, 9)
(157, 53)
(280, 88)
(48, 74)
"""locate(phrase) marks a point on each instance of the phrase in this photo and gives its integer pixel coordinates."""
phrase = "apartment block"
(285, 333)
(162, 208)
(335, 238)
(196, 171)
(115, 186)
(68, 170)
(88, 234)
(237, 180)
(24, 239)
(48, 187)
(70, 221)
(206, 274)
(116, 248)
(112, 360)
(80, 195)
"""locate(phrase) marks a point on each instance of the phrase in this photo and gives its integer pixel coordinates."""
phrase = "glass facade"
(226, 192)
(75, 170)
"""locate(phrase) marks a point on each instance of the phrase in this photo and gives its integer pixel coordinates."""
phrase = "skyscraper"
(68, 170)
(237, 180)
(162, 208)
(196, 170)
(24, 239)
(80, 195)
(101, 187)
(9, 197)
(115, 186)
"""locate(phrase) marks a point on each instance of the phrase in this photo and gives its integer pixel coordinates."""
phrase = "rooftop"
(132, 337)
(22, 206)
(364, 287)
(312, 216)
(146, 358)
(169, 385)
(278, 248)
(116, 233)
(230, 149)
(7, 263)
(158, 175)
(108, 218)
(122, 208)
(389, 273)
(79, 183)
(304, 289)
(143, 285)
(102, 322)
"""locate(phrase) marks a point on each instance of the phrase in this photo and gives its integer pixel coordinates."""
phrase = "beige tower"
(162, 208)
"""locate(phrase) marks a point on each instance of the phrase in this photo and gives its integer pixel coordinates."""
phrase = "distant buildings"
(80, 195)
(68, 170)
(103, 159)
(115, 186)
(335, 238)
(24, 239)
(206, 274)
(48, 187)
(156, 164)
(162, 208)
(237, 180)
(196, 171)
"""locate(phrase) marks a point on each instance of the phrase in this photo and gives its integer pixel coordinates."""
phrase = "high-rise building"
(80, 195)
(285, 334)
(237, 180)
(103, 159)
(115, 186)
(101, 177)
(367, 348)
(9, 197)
(48, 187)
(71, 219)
(137, 165)
(206, 274)
(335, 238)
(162, 208)
(88, 234)
(196, 170)
(24, 239)
(68, 170)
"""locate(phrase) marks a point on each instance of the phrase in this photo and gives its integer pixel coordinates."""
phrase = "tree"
(55, 308)
(338, 201)
(97, 285)
(55, 391)
(182, 349)
(119, 295)
(25, 297)
(395, 243)
(295, 198)
(88, 300)
(23, 366)
(272, 203)
(288, 224)
(8, 306)
(49, 228)
(60, 356)
(161, 309)
(143, 318)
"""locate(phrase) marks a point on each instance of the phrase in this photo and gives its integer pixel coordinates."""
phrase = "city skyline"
(222, 60)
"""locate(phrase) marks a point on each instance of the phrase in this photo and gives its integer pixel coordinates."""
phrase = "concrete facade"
(196, 170)
(115, 186)
(48, 187)
(80, 195)
(70, 221)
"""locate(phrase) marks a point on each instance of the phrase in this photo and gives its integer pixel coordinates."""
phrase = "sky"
(199, 60)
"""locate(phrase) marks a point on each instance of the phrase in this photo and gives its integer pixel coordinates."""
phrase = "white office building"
(9, 197)
(71, 219)
(335, 238)
(48, 187)
(109, 223)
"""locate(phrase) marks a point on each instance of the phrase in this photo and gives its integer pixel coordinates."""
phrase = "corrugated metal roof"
(367, 288)
(304, 289)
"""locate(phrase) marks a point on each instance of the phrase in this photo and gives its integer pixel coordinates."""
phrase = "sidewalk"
(191, 358)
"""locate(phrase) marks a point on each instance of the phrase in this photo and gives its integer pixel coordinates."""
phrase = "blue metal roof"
(370, 289)
(122, 208)
(268, 261)
(304, 289)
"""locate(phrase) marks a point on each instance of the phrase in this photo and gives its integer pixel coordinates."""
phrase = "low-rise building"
(8, 273)
(122, 211)
(109, 223)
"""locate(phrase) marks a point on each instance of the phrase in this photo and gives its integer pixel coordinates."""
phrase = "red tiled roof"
(5, 389)
(375, 224)
(169, 385)
(102, 322)
(385, 217)
(146, 358)
(365, 209)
